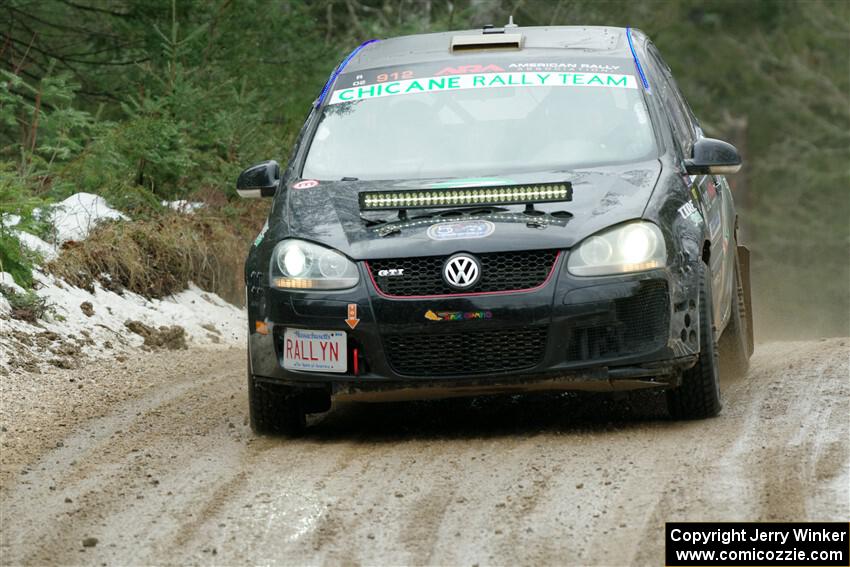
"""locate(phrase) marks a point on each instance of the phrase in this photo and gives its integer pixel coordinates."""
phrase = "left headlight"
(297, 264)
(631, 247)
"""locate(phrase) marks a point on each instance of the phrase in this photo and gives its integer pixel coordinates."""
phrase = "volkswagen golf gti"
(501, 210)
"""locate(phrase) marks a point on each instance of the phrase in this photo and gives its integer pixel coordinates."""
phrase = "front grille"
(478, 352)
(500, 271)
(640, 323)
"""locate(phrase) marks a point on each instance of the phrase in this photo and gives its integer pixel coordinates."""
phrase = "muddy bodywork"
(695, 214)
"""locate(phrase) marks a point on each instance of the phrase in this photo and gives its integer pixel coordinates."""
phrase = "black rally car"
(496, 210)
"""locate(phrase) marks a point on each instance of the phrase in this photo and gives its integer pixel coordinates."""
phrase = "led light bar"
(467, 196)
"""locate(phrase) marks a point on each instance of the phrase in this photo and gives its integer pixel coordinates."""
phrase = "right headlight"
(297, 264)
(632, 247)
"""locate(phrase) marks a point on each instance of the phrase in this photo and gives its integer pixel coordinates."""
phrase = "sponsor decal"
(686, 210)
(305, 184)
(558, 66)
(391, 273)
(457, 315)
(483, 81)
(466, 69)
(461, 230)
(714, 224)
(262, 234)
(694, 193)
(352, 320)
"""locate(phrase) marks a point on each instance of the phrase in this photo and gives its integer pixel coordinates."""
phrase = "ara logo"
(466, 69)
(391, 273)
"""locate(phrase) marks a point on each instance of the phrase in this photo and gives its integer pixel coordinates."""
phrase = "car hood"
(329, 213)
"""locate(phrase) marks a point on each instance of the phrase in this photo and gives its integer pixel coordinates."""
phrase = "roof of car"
(421, 48)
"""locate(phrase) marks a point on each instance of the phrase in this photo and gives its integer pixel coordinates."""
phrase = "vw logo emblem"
(462, 271)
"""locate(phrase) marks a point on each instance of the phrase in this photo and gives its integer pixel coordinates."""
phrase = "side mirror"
(259, 180)
(714, 157)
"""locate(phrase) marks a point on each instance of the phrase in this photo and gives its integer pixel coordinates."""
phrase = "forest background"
(145, 101)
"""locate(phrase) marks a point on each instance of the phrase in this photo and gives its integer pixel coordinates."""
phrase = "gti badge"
(462, 271)
(392, 272)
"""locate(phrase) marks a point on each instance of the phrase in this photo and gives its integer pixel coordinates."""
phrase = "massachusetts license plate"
(317, 351)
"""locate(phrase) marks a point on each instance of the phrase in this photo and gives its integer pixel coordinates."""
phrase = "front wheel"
(275, 409)
(698, 396)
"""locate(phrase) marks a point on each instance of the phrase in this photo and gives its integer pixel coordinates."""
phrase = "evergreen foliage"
(145, 100)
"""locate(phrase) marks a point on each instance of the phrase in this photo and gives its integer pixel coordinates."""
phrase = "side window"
(680, 115)
(693, 123)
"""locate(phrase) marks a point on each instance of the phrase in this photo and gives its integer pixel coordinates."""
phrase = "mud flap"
(744, 266)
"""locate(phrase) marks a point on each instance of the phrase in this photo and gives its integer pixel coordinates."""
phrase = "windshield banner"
(482, 81)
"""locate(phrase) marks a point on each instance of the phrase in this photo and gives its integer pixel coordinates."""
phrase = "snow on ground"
(77, 215)
(190, 309)
(10, 220)
(7, 280)
(48, 251)
(72, 219)
(92, 325)
(34, 243)
(80, 324)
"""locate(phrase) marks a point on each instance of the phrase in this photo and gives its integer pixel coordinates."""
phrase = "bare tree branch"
(95, 9)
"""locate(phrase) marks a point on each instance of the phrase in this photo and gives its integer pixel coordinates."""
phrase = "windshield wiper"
(373, 222)
(533, 218)
(444, 213)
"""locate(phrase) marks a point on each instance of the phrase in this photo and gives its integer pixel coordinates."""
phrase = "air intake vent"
(488, 41)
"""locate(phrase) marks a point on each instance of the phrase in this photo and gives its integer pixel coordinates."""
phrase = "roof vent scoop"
(490, 38)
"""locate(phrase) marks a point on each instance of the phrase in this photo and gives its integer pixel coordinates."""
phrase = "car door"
(709, 190)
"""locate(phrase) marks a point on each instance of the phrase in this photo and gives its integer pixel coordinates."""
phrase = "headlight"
(301, 265)
(631, 247)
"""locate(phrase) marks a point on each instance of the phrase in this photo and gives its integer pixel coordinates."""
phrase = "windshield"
(478, 124)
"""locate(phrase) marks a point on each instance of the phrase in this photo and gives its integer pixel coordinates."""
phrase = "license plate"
(316, 351)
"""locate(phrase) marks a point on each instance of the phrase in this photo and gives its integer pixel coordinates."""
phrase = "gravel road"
(151, 460)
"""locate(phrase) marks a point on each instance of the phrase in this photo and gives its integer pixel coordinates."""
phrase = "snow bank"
(72, 219)
(48, 251)
(10, 220)
(81, 324)
(7, 280)
(93, 323)
(34, 243)
(77, 215)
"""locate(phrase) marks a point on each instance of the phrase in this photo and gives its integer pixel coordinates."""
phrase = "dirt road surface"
(153, 457)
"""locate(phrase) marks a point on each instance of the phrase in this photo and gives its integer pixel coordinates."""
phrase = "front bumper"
(606, 333)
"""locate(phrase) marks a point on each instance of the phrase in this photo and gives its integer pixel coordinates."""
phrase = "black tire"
(698, 396)
(275, 409)
(734, 344)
